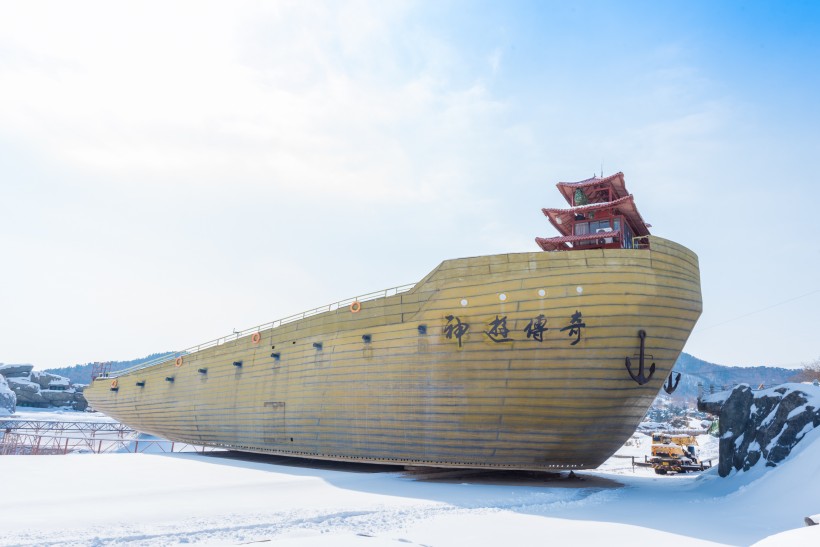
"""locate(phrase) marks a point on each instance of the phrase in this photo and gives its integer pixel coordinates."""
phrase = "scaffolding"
(41, 437)
(100, 368)
(37, 426)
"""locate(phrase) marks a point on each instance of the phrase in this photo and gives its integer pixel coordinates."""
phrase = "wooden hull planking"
(488, 385)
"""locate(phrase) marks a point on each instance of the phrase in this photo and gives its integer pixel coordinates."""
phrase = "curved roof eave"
(563, 219)
(617, 182)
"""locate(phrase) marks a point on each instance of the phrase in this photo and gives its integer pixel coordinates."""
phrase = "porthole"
(502, 297)
(579, 289)
(542, 292)
(464, 302)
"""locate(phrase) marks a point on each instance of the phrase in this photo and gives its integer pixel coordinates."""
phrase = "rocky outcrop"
(15, 371)
(762, 426)
(8, 399)
(58, 397)
(40, 389)
(28, 393)
(46, 380)
(79, 402)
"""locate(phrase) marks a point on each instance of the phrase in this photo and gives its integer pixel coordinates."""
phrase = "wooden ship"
(533, 361)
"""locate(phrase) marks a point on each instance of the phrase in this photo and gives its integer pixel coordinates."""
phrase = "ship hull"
(513, 361)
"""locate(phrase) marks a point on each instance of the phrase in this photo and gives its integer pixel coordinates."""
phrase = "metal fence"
(41, 437)
(37, 426)
(45, 444)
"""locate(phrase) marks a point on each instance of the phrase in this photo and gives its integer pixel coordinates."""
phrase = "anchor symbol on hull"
(669, 387)
(640, 378)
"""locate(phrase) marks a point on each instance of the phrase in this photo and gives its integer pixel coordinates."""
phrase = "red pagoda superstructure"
(602, 215)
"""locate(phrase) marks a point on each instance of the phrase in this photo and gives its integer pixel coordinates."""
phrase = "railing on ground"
(33, 444)
(15, 425)
(265, 326)
(39, 437)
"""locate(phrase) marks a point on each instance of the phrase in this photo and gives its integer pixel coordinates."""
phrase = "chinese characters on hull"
(455, 330)
(536, 328)
(575, 326)
(498, 332)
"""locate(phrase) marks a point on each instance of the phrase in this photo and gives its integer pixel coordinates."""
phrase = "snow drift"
(149, 499)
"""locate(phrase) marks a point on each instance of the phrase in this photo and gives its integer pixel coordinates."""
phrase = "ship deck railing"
(235, 335)
(640, 242)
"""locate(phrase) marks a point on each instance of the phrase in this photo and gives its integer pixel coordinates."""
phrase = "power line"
(758, 311)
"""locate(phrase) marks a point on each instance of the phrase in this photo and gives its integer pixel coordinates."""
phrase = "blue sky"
(170, 171)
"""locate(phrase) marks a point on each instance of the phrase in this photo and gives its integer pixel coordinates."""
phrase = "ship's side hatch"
(274, 423)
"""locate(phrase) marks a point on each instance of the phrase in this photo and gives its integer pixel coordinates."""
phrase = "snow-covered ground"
(58, 414)
(214, 499)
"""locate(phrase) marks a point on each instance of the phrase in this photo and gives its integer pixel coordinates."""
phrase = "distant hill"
(717, 377)
(81, 374)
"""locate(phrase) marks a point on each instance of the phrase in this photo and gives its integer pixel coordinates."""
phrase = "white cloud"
(185, 138)
(218, 157)
(288, 99)
(494, 60)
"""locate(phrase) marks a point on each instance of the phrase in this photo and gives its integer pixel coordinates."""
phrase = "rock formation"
(40, 389)
(762, 426)
(15, 371)
(8, 399)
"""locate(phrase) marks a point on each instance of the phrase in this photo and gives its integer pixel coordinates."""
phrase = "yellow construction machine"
(673, 453)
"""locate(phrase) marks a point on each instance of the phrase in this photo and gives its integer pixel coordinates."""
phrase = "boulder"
(8, 399)
(38, 388)
(27, 392)
(15, 371)
(713, 403)
(48, 380)
(732, 425)
(765, 425)
(79, 402)
(58, 397)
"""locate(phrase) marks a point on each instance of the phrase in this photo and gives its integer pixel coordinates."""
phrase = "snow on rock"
(28, 392)
(15, 371)
(59, 383)
(765, 425)
(8, 399)
(42, 389)
(47, 380)
(58, 397)
(713, 402)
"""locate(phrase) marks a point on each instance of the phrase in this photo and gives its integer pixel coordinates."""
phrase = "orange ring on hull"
(114, 384)
(178, 362)
(256, 338)
(356, 307)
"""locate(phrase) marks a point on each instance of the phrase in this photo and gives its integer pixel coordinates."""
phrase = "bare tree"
(809, 372)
